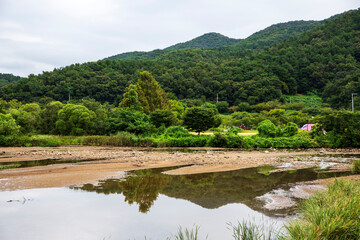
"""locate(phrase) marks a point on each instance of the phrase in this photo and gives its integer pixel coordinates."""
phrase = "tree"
(222, 106)
(49, 116)
(200, 119)
(159, 117)
(151, 95)
(8, 125)
(75, 120)
(121, 120)
(131, 99)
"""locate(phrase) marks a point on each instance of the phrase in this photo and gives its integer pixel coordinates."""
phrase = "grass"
(308, 100)
(248, 230)
(186, 234)
(356, 166)
(332, 214)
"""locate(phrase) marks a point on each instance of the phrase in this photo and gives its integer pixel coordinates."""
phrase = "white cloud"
(38, 35)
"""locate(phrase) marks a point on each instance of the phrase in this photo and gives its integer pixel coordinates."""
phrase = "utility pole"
(352, 101)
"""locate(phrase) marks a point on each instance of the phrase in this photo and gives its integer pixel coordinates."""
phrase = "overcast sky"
(39, 35)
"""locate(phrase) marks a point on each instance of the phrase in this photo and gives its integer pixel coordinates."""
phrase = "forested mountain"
(259, 40)
(6, 78)
(325, 59)
(275, 34)
(206, 41)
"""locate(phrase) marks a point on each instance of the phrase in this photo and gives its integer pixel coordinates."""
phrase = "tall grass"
(186, 234)
(356, 166)
(247, 230)
(334, 214)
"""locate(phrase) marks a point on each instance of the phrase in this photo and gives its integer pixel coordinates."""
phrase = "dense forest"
(6, 78)
(324, 60)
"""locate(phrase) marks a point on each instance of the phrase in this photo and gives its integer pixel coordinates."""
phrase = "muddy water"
(149, 203)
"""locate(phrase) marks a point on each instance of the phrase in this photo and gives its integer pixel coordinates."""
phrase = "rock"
(266, 152)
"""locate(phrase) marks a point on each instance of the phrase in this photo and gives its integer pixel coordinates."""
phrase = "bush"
(191, 141)
(291, 129)
(356, 166)
(218, 140)
(176, 132)
(267, 129)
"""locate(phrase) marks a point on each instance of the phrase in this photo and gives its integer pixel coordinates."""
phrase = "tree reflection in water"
(209, 190)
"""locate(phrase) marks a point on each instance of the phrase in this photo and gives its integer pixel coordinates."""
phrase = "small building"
(307, 127)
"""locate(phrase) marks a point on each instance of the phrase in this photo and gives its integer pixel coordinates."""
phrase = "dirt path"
(109, 162)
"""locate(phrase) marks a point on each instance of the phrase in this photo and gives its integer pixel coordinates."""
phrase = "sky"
(40, 35)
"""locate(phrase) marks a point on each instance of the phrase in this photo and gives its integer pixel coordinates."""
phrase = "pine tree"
(151, 95)
(131, 99)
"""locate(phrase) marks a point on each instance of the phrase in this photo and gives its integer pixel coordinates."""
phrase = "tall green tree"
(75, 120)
(130, 99)
(49, 116)
(151, 95)
(200, 119)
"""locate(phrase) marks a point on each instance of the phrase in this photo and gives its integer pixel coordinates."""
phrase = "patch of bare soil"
(107, 162)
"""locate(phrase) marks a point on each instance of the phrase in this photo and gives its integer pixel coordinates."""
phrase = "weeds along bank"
(180, 138)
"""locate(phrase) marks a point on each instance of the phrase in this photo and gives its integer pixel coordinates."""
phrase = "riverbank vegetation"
(88, 122)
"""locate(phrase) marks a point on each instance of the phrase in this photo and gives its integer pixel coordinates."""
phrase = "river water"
(147, 203)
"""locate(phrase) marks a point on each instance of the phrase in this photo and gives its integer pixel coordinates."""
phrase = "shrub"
(218, 140)
(291, 129)
(266, 129)
(356, 166)
(176, 132)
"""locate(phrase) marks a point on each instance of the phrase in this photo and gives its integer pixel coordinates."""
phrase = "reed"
(332, 214)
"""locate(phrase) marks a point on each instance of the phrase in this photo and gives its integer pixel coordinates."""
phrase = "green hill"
(276, 33)
(206, 41)
(262, 39)
(325, 59)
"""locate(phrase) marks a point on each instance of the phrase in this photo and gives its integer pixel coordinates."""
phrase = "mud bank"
(98, 163)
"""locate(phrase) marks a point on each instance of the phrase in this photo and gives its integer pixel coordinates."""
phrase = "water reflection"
(208, 190)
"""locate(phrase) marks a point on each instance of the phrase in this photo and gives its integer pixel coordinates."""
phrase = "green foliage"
(75, 120)
(178, 108)
(162, 117)
(27, 120)
(121, 120)
(176, 132)
(151, 95)
(186, 234)
(332, 214)
(200, 119)
(248, 230)
(190, 141)
(8, 78)
(291, 129)
(49, 116)
(8, 126)
(267, 129)
(222, 107)
(356, 166)
(130, 99)
(338, 128)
